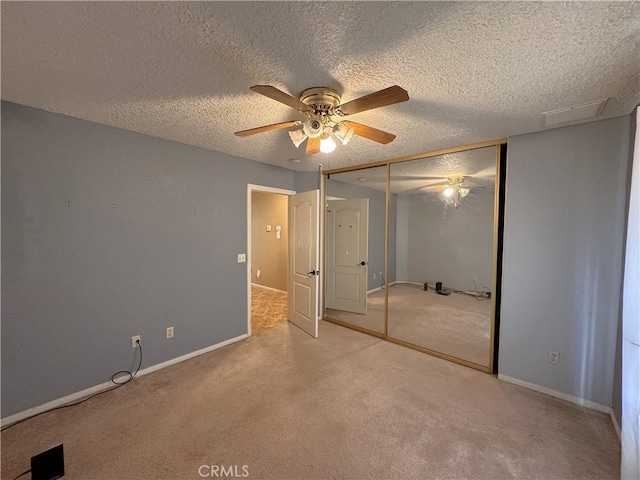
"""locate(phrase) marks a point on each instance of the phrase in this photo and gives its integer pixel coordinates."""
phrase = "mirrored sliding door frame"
(500, 145)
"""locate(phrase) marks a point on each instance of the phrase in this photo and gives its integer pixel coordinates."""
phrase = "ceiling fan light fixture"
(312, 128)
(463, 191)
(327, 145)
(343, 132)
(297, 137)
(448, 191)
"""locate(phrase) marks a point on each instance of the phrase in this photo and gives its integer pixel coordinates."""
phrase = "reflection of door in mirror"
(354, 248)
(444, 213)
(346, 262)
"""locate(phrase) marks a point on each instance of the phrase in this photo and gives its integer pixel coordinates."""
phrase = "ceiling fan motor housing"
(323, 100)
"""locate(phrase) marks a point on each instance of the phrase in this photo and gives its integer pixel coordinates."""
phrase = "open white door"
(303, 260)
(347, 254)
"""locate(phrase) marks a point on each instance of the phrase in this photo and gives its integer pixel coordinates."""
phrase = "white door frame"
(250, 189)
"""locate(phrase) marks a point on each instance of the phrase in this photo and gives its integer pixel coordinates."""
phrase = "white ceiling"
(474, 71)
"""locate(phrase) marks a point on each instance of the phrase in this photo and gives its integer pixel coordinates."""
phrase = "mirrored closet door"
(411, 251)
(442, 296)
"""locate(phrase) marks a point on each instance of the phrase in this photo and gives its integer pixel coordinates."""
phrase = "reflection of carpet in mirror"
(457, 325)
(372, 320)
(268, 308)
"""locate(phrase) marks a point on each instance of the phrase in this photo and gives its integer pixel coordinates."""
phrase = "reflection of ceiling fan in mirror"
(453, 189)
(321, 106)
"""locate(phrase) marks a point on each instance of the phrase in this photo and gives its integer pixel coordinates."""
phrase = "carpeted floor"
(344, 406)
(268, 308)
(457, 324)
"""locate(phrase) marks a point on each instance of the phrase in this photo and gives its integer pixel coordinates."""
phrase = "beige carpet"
(457, 324)
(345, 406)
(268, 308)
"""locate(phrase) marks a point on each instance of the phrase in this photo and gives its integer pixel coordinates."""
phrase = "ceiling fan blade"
(371, 133)
(279, 96)
(382, 98)
(433, 187)
(266, 128)
(313, 146)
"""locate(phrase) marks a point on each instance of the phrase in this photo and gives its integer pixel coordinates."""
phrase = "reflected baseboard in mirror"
(374, 318)
(457, 325)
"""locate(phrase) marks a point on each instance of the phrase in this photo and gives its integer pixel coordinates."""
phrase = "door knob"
(313, 272)
(362, 263)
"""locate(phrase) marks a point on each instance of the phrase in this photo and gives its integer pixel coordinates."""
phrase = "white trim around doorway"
(250, 189)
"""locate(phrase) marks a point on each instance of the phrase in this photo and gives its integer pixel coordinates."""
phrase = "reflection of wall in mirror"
(377, 202)
(438, 243)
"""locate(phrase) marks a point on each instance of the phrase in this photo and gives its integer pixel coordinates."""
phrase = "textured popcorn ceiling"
(182, 70)
(477, 166)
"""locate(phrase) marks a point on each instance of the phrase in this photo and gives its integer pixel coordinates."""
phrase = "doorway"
(267, 249)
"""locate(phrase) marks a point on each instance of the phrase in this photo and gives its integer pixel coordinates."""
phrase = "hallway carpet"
(268, 308)
(344, 406)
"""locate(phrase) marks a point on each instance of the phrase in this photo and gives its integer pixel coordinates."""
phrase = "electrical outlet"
(374, 276)
(134, 339)
(242, 258)
(553, 357)
(169, 332)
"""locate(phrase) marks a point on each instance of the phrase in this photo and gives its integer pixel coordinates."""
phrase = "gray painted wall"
(442, 243)
(306, 181)
(107, 234)
(563, 240)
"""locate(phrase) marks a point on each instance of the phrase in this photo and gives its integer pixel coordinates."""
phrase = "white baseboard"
(59, 402)
(565, 396)
(554, 393)
(381, 287)
(267, 288)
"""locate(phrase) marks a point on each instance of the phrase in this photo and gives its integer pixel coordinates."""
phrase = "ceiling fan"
(454, 189)
(324, 112)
